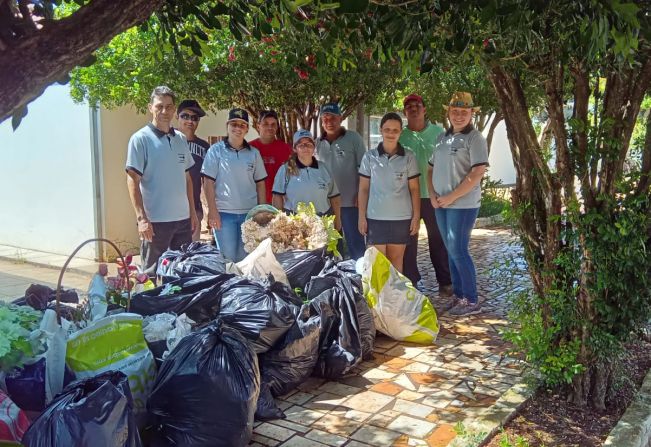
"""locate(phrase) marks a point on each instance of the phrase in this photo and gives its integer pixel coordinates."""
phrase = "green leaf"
(353, 6)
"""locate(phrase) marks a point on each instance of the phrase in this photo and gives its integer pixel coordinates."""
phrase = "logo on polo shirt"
(322, 184)
(181, 158)
(250, 166)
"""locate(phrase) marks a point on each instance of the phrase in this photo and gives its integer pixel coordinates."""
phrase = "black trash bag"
(301, 265)
(345, 271)
(262, 310)
(206, 391)
(196, 297)
(194, 259)
(39, 296)
(267, 409)
(97, 411)
(292, 360)
(26, 386)
(340, 343)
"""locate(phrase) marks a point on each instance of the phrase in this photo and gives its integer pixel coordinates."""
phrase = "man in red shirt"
(274, 152)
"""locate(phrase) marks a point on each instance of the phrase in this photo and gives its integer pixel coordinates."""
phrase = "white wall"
(46, 186)
(500, 159)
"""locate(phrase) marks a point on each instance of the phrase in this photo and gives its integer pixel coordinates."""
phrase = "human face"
(237, 129)
(414, 111)
(162, 110)
(331, 123)
(390, 131)
(460, 117)
(304, 148)
(268, 128)
(188, 121)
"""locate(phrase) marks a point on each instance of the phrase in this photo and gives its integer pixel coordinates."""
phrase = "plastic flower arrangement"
(304, 230)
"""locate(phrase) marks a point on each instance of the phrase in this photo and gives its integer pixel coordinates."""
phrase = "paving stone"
(389, 388)
(326, 438)
(290, 425)
(410, 395)
(274, 431)
(411, 408)
(405, 352)
(337, 425)
(375, 436)
(324, 402)
(378, 374)
(403, 381)
(441, 437)
(299, 441)
(339, 388)
(368, 401)
(303, 416)
(299, 398)
(263, 440)
(417, 428)
(353, 443)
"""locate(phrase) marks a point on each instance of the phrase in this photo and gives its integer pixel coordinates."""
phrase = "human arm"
(362, 203)
(471, 180)
(414, 191)
(213, 213)
(278, 201)
(261, 190)
(259, 176)
(194, 221)
(145, 228)
(433, 197)
(335, 204)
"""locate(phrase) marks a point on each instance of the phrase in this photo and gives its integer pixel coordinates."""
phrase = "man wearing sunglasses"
(188, 114)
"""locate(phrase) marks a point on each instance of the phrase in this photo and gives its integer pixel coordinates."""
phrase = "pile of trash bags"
(196, 360)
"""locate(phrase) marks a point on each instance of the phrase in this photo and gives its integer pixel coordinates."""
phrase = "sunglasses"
(187, 116)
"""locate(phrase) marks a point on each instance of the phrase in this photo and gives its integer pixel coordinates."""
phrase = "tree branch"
(491, 130)
(37, 61)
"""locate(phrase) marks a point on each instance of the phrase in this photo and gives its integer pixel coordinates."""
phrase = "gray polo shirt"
(343, 157)
(312, 184)
(388, 196)
(161, 159)
(454, 157)
(235, 173)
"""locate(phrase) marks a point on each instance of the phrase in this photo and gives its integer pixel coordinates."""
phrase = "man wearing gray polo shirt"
(159, 184)
(342, 151)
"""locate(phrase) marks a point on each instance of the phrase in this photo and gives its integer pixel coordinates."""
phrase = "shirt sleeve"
(478, 149)
(280, 183)
(136, 155)
(412, 167)
(210, 166)
(365, 166)
(259, 173)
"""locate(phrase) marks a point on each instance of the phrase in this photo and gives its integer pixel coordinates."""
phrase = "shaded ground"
(548, 420)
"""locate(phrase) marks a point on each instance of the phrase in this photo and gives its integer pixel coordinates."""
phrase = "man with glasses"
(274, 152)
(342, 151)
(189, 113)
(420, 137)
(159, 184)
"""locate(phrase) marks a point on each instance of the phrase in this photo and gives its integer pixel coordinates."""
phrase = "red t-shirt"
(274, 155)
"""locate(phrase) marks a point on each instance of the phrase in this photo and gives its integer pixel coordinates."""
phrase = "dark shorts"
(381, 232)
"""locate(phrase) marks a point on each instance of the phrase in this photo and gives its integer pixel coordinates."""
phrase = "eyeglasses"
(305, 146)
(187, 116)
(238, 125)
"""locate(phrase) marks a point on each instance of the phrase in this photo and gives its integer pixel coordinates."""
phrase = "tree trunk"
(47, 55)
(497, 118)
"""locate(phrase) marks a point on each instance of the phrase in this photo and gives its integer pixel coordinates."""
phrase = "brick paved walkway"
(409, 395)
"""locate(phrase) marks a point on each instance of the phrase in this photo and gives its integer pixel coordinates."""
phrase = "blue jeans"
(354, 240)
(229, 238)
(455, 226)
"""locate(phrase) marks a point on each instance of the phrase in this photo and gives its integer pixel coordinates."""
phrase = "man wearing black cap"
(188, 114)
(274, 152)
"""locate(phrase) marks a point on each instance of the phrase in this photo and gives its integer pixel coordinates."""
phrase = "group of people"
(378, 196)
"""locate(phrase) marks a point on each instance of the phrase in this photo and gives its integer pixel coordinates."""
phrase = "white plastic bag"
(182, 327)
(262, 261)
(399, 309)
(117, 343)
(97, 297)
(157, 327)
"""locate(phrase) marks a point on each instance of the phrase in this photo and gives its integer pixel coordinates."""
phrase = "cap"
(190, 104)
(412, 97)
(331, 107)
(302, 133)
(462, 100)
(267, 114)
(238, 114)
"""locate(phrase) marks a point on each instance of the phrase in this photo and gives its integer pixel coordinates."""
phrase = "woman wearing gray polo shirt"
(456, 168)
(389, 193)
(303, 179)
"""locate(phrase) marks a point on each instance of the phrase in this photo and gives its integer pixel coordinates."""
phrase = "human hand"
(446, 200)
(434, 202)
(337, 224)
(145, 230)
(362, 226)
(194, 221)
(414, 226)
(214, 220)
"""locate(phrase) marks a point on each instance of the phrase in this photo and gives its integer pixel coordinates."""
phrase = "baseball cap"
(302, 133)
(238, 114)
(412, 97)
(267, 114)
(190, 104)
(331, 107)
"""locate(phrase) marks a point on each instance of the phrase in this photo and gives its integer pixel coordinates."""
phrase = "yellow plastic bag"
(399, 309)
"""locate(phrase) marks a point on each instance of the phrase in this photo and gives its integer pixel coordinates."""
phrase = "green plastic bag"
(399, 309)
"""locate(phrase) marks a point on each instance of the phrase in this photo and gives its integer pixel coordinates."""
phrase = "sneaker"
(465, 307)
(446, 291)
(449, 304)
